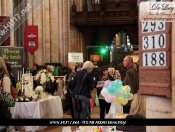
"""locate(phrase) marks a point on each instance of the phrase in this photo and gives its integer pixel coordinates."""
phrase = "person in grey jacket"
(131, 79)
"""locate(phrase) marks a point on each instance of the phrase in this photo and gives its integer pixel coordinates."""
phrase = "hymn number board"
(155, 58)
(154, 43)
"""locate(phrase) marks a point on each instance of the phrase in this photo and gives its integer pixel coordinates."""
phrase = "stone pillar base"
(158, 107)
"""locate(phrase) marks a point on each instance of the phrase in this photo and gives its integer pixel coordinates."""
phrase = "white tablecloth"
(50, 107)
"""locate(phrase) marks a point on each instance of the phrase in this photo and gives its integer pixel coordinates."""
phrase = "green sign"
(14, 56)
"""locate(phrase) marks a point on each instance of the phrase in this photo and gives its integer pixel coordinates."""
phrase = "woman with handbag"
(83, 84)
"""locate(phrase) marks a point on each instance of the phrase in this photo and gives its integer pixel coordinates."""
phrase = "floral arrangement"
(26, 78)
(39, 90)
(24, 99)
(44, 76)
(30, 95)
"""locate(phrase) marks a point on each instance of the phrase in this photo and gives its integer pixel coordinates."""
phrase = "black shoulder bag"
(76, 100)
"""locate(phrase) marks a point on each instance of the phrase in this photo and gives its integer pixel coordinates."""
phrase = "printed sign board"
(154, 58)
(75, 57)
(14, 56)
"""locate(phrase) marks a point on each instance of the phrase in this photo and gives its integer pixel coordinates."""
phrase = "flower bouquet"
(26, 78)
(44, 76)
(39, 91)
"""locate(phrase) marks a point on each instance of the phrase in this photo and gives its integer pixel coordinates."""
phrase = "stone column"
(65, 31)
(9, 7)
(34, 22)
(3, 7)
(29, 22)
(60, 33)
(54, 30)
(47, 30)
(0, 6)
(38, 22)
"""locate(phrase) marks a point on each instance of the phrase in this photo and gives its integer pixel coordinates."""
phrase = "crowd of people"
(87, 75)
(91, 87)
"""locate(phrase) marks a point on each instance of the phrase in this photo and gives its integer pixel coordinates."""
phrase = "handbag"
(6, 101)
(6, 98)
(77, 100)
(14, 91)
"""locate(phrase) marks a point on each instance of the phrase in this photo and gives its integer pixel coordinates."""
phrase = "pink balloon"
(107, 100)
(111, 98)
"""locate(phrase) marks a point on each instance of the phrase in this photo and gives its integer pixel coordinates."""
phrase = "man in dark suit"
(131, 79)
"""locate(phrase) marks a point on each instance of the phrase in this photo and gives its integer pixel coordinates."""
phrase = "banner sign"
(75, 57)
(87, 122)
(31, 38)
(14, 56)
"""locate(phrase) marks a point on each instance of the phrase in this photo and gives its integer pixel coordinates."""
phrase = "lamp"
(124, 47)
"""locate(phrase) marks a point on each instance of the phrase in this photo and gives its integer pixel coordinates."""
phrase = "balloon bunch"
(115, 92)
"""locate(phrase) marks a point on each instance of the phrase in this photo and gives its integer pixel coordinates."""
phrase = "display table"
(50, 107)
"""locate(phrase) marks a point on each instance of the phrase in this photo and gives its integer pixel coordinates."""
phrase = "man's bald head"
(128, 61)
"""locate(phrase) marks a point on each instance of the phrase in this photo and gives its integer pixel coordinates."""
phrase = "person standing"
(84, 78)
(68, 94)
(72, 66)
(79, 67)
(51, 86)
(96, 73)
(34, 72)
(35, 69)
(113, 72)
(104, 106)
(131, 79)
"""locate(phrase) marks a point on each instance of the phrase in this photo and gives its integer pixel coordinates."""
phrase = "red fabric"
(31, 38)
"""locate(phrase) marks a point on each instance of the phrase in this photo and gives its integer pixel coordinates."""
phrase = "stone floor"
(95, 114)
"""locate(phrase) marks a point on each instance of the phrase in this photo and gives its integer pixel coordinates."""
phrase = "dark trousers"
(126, 109)
(89, 116)
(104, 107)
(69, 102)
